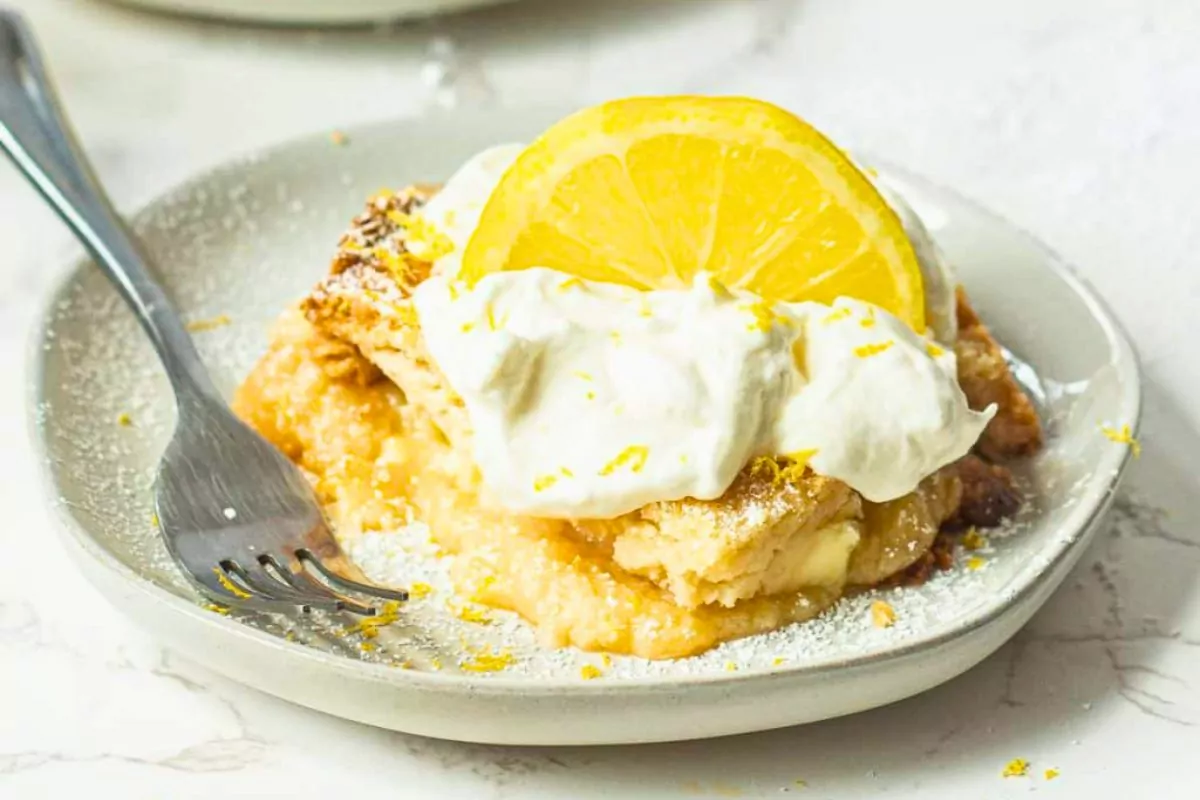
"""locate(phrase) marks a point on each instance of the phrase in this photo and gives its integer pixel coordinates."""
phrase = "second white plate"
(311, 12)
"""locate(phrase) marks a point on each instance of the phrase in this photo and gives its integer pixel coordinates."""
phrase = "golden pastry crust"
(896, 534)
(985, 378)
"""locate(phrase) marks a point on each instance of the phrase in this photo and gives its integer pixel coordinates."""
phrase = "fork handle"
(35, 134)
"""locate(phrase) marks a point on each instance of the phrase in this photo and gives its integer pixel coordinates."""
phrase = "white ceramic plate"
(311, 12)
(248, 238)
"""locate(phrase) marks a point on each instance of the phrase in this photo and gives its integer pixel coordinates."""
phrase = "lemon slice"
(650, 191)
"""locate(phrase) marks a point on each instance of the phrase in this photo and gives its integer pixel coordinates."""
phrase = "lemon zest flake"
(419, 589)
(467, 327)
(1017, 768)
(778, 661)
(591, 395)
(1051, 773)
(868, 350)
(366, 647)
(975, 563)
(789, 467)
(154, 520)
(837, 316)
(973, 539)
(229, 585)
(606, 659)
(492, 323)
(933, 350)
(718, 288)
(765, 316)
(369, 627)
(797, 463)
(882, 614)
(583, 376)
(476, 616)
(633, 457)
(1123, 435)
(544, 482)
(589, 672)
(869, 320)
(216, 609)
(767, 465)
(419, 231)
(572, 283)
(124, 420)
(485, 660)
(731, 666)
(212, 323)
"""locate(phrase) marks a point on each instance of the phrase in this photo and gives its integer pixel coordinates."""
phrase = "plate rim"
(1029, 579)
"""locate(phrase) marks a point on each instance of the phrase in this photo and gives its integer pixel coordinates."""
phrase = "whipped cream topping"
(591, 400)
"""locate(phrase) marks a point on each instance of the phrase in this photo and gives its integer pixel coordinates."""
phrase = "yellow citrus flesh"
(649, 191)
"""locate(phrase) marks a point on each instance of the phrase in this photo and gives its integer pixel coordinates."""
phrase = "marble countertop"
(1077, 119)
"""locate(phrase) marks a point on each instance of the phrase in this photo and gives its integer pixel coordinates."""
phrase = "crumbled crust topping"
(377, 238)
(985, 378)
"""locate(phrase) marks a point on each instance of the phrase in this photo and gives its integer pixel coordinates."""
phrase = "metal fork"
(237, 515)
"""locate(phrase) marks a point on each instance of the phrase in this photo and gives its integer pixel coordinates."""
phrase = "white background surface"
(1079, 119)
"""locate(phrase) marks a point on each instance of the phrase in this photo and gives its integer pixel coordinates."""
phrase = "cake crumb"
(1017, 768)
(882, 614)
